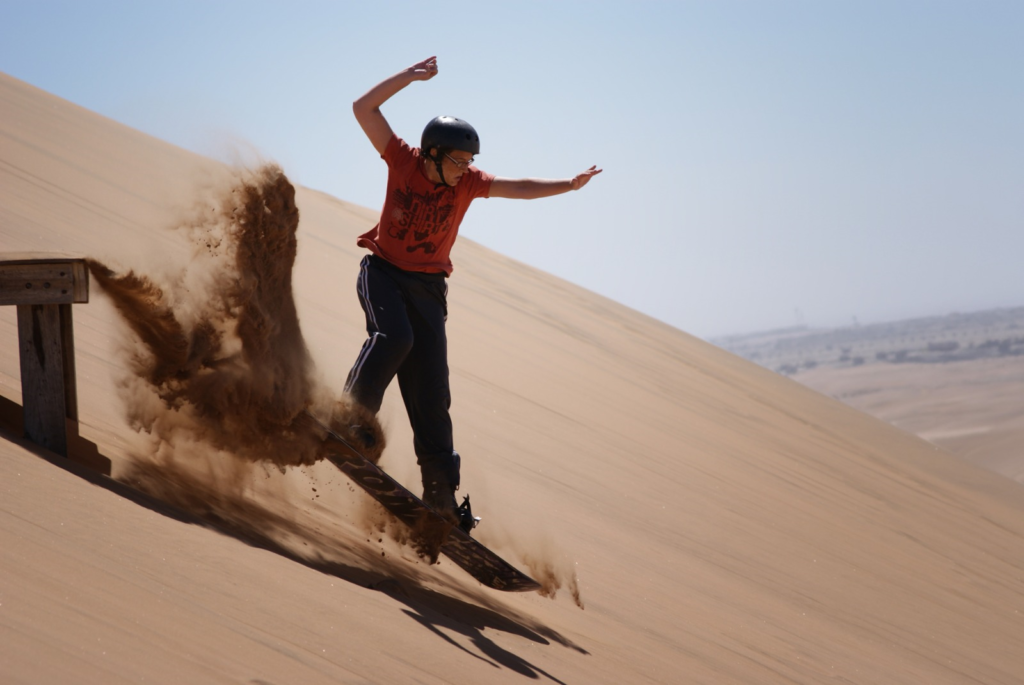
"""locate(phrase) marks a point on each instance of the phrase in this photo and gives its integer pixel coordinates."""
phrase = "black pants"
(405, 320)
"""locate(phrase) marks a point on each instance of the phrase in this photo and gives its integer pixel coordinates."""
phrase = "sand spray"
(218, 371)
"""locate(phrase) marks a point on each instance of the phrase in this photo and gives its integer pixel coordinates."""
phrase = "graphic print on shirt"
(422, 215)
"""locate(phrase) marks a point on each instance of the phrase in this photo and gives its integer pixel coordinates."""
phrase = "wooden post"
(44, 288)
(43, 394)
(67, 346)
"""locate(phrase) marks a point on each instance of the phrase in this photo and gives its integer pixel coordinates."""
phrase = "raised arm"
(533, 188)
(367, 108)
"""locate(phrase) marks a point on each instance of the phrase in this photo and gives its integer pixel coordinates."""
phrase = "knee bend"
(398, 343)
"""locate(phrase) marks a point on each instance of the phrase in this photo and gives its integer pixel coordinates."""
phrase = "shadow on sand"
(442, 614)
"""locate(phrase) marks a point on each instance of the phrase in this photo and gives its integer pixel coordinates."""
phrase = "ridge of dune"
(726, 524)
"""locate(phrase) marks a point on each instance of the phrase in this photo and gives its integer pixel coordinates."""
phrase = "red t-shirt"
(420, 221)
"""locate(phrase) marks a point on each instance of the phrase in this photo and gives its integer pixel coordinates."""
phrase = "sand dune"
(973, 409)
(725, 524)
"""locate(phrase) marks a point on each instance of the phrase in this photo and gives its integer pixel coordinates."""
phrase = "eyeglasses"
(461, 165)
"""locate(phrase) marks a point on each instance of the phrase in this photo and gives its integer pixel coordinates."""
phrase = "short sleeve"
(397, 152)
(480, 182)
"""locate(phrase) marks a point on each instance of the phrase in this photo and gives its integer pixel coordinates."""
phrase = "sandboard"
(465, 551)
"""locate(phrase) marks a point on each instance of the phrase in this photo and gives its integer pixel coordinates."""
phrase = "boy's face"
(454, 163)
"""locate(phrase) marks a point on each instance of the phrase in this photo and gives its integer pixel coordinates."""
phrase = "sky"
(766, 163)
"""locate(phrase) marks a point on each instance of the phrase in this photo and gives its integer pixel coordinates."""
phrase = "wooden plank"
(80, 279)
(67, 351)
(43, 282)
(21, 257)
(43, 393)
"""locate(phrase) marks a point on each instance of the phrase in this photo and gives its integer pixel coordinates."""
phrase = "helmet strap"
(440, 172)
(436, 159)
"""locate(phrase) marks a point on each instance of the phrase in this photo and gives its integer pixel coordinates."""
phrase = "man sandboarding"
(402, 284)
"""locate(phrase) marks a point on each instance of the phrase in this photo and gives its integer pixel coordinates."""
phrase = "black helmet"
(451, 134)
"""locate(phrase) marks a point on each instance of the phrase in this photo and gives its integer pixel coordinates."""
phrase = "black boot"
(363, 439)
(440, 481)
(440, 496)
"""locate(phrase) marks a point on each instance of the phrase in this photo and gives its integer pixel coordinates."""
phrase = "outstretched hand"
(582, 179)
(425, 70)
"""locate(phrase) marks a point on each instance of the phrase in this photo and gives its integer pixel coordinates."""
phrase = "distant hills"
(930, 340)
